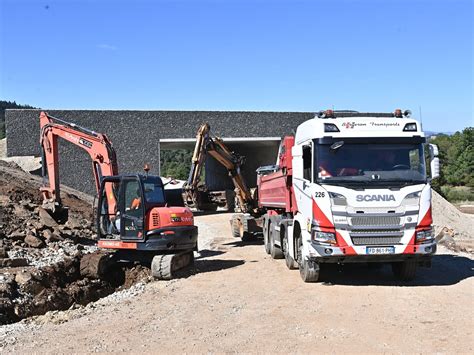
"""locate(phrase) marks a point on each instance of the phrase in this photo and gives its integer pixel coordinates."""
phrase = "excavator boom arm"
(97, 145)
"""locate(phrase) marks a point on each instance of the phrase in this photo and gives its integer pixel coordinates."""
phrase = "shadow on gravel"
(216, 265)
(446, 270)
(239, 243)
(208, 253)
(84, 241)
(203, 266)
(207, 213)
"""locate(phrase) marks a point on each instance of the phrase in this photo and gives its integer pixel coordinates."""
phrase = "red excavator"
(133, 219)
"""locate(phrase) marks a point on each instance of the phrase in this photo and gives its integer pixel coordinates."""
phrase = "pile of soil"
(3, 148)
(40, 258)
(453, 228)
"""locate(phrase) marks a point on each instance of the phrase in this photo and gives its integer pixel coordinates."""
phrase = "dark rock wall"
(136, 134)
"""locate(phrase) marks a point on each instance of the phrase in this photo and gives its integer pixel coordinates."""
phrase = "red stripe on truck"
(347, 250)
(411, 247)
(326, 226)
(320, 217)
(426, 221)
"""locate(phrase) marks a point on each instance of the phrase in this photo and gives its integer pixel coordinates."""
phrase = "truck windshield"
(362, 162)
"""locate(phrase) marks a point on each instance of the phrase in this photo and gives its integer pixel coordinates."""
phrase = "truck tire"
(238, 230)
(309, 270)
(275, 252)
(405, 270)
(266, 235)
(236, 227)
(289, 261)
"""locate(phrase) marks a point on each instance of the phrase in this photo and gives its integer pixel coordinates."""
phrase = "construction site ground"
(236, 299)
(240, 300)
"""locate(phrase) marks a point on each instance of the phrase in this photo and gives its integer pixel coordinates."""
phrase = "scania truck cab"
(358, 191)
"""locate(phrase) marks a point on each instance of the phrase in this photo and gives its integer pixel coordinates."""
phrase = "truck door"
(302, 176)
(132, 209)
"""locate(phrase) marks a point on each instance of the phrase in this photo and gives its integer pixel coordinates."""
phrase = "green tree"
(176, 163)
(6, 105)
(456, 154)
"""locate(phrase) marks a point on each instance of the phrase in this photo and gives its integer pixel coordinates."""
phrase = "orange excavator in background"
(195, 193)
(133, 219)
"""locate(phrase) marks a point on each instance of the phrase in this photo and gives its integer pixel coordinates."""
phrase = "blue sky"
(242, 55)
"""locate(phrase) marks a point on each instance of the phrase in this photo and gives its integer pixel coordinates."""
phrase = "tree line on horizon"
(6, 105)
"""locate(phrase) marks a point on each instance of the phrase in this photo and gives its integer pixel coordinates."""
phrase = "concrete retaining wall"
(136, 134)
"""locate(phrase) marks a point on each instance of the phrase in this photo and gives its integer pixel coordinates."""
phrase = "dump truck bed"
(275, 189)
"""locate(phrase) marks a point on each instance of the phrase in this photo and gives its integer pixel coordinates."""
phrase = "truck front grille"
(376, 240)
(372, 233)
(375, 221)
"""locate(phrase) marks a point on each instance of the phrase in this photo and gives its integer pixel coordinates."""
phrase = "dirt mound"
(3, 148)
(40, 258)
(452, 227)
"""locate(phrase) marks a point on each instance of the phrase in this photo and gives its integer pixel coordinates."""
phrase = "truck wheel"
(405, 270)
(266, 236)
(238, 230)
(289, 261)
(236, 227)
(275, 252)
(309, 270)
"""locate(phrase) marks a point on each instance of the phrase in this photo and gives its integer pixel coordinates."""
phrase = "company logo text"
(370, 198)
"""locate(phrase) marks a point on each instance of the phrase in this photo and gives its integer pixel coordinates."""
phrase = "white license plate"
(380, 250)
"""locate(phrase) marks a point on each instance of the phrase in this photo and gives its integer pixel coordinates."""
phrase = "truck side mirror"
(434, 161)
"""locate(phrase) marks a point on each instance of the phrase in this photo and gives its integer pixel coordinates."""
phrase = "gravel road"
(240, 300)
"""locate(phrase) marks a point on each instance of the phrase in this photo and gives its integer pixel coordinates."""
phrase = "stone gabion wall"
(136, 134)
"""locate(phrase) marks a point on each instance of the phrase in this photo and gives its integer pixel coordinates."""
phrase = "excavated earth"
(40, 259)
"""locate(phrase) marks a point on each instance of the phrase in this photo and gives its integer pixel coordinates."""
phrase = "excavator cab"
(123, 205)
(121, 212)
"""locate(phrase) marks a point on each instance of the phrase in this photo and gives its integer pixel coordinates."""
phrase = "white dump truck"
(348, 187)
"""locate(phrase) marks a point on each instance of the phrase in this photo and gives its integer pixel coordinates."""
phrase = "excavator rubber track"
(164, 267)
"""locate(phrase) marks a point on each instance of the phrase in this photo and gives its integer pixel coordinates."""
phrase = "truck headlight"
(412, 199)
(424, 236)
(323, 237)
(337, 199)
